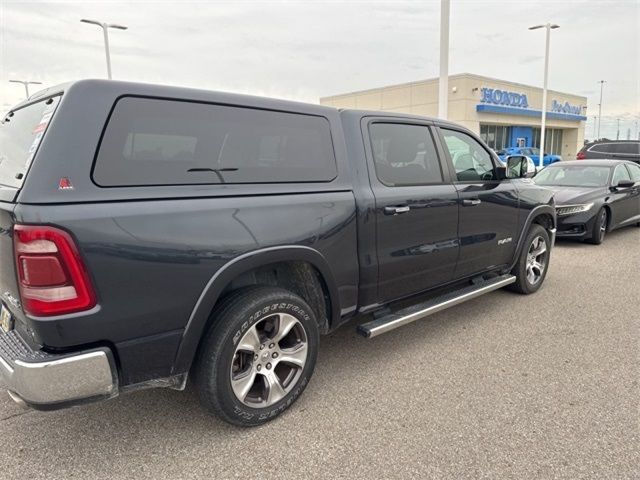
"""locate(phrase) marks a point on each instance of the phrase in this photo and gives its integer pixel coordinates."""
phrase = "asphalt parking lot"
(505, 386)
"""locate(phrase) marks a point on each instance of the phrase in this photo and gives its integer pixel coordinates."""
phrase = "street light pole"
(618, 132)
(548, 27)
(106, 50)
(26, 84)
(105, 27)
(443, 84)
(602, 82)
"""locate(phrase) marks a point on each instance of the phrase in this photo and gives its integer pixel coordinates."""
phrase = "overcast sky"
(307, 49)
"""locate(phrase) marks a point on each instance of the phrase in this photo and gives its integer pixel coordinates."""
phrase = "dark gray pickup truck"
(152, 235)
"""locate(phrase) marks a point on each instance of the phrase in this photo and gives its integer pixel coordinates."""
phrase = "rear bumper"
(47, 381)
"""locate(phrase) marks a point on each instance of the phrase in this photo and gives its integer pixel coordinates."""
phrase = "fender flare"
(537, 211)
(244, 263)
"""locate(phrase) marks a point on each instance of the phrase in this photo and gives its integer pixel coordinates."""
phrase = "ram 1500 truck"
(151, 235)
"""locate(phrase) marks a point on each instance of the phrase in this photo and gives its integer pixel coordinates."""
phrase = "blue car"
(531, 152)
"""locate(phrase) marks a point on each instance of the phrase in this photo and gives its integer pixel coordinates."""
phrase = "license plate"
(6, 320)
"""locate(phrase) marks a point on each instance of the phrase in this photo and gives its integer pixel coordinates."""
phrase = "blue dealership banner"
(494, 100)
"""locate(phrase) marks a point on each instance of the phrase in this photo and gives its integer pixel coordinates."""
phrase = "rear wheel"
(258, 356)
(531, 268)
(599, 229)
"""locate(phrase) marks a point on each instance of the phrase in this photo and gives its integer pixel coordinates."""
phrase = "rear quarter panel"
(151, 260)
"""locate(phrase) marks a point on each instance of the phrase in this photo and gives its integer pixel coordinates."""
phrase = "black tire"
(599, 229)
(259, 311)
(523, 283)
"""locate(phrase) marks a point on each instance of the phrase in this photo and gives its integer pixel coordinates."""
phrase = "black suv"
(611, 149)
(150, 235)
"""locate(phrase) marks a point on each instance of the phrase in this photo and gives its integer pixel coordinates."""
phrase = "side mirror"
(517, 166)
(625, 184)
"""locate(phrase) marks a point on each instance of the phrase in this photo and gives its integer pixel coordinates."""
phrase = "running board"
(397, 319)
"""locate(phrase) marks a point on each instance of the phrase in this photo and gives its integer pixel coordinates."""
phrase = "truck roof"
(197, 94)
(177, 93)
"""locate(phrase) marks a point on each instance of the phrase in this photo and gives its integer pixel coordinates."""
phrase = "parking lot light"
(26, 84)
(601, 82)
(443, 84)
(105, 27)
(549, 27)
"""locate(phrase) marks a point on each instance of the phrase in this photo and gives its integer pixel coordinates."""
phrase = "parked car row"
(532, 152)
(601, 150)
(595, 194)
(593, 197)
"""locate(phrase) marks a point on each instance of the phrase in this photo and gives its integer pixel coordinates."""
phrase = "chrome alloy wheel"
(269, 360)
(536, 260)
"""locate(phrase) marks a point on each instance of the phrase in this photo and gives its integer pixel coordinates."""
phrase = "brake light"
(52, 276)
(580, 156)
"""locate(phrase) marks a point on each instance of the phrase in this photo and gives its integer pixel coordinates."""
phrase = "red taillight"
(580, 156)
(52, 276)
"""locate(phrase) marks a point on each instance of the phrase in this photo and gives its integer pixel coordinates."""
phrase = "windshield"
(573, 176)
(20, 134)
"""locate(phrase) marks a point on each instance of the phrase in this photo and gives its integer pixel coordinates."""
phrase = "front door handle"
(396, 210)
(471, 202)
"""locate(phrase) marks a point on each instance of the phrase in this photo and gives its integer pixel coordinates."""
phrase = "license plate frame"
(6, 319)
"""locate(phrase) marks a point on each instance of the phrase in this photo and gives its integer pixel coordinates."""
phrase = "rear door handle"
(396, 210)
(471, 202)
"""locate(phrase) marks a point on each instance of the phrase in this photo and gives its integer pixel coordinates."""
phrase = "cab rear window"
(168, 142)
(21, 132)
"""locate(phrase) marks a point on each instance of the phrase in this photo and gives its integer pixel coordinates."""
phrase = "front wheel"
(258, 355)
(533, 263)
(599, 229)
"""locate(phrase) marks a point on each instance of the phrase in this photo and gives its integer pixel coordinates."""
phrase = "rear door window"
(603, 148)
(404, 154)
(627, 148)
(168, 142)
(21, 132)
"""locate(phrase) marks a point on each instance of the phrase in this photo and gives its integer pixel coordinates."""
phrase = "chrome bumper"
(46, 381)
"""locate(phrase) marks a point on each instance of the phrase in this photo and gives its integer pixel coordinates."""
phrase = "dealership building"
(504, 114)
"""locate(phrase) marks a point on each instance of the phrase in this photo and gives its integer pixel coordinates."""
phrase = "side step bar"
(415, 312)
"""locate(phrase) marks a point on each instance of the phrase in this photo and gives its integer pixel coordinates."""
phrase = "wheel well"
(545, 220)
(299, 277)
(608, 209)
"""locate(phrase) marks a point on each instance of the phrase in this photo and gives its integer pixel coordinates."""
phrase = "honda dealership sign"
(502, 97)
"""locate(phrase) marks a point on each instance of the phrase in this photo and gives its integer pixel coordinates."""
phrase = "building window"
(496, 137)
(552, 140)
